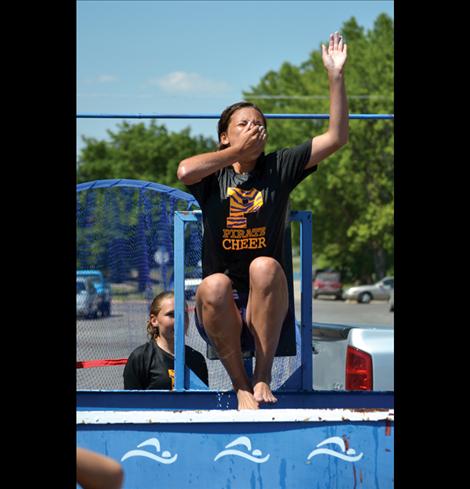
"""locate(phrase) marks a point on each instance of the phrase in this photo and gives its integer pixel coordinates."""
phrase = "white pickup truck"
(352, 357)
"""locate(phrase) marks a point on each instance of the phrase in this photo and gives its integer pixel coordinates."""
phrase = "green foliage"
(140, 152)
(351, 194)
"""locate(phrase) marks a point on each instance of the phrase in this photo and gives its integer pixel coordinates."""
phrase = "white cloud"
(101, 79)
(182, 82)
(106, 78)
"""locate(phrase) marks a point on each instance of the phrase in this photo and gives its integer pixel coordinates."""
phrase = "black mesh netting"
(125, 230)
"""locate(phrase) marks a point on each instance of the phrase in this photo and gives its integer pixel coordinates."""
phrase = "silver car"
(366, 293)
(87, 298)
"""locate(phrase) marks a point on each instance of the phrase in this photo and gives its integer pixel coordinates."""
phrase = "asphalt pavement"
(328, 310)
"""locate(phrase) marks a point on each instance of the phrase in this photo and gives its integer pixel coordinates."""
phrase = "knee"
(214, 290)
(265, 271)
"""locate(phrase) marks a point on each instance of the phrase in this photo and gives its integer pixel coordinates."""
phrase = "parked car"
(102, 287)
(327, 282)
(391, 301)
(87, 298)
(366, 293)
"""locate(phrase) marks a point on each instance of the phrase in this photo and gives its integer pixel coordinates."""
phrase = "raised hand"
(334, 57)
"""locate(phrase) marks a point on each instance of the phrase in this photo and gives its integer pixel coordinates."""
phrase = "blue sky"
(188, 57)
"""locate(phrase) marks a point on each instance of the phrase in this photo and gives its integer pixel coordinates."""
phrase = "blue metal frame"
(118, 400)
(180, 218)
(217, 116)
(305, 220)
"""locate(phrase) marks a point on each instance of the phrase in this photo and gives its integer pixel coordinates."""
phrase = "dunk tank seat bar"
(216, 116)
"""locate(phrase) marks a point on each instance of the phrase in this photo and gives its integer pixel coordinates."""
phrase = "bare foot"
(246, 400)
(262, 392)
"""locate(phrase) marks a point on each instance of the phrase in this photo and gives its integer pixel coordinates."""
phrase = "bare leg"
(267, 307)
(221, 319)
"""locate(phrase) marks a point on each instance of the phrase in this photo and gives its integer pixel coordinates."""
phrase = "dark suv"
(327, 282)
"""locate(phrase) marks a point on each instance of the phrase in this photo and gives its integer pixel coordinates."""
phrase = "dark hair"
(224, 120)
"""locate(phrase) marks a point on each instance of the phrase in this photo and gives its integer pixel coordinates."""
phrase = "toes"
(259, 398)
(249, 405)
(246, 400)
(265, 396)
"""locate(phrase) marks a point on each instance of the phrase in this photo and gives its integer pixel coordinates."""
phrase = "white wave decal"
(346, 455)
(245, 441)
(165, 458)
(152, 442)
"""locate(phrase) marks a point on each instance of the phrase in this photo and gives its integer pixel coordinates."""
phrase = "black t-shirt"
(244, 216)
(150, 367)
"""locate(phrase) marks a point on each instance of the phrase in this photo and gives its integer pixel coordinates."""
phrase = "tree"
(351, 194)
(140, 152)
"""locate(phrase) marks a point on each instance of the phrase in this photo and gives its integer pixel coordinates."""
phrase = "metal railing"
(304, 379)
(217, 116)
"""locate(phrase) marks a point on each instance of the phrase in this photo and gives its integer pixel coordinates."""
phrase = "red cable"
(101, 363)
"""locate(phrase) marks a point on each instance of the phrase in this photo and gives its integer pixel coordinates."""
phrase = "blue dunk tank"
(145, 238)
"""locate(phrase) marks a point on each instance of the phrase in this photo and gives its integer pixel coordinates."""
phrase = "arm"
(194, 169)
(96, 471)
(248, 147)
(334, 59)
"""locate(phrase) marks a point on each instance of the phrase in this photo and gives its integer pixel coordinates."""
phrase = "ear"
(153, 320)
(224, 138)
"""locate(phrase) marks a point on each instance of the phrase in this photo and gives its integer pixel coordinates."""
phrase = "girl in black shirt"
(243, 195)
(151, 366)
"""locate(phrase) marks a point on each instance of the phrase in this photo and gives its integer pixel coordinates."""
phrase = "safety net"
(125, 248)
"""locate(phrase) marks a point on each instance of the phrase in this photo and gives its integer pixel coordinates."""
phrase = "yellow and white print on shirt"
(236, 236)
(171, 374)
